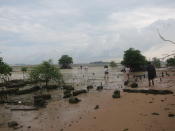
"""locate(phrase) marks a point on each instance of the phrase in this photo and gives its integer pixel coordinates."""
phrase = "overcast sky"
(88, 30)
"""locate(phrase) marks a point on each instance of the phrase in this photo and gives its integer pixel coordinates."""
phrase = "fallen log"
(68, 87)
(78, 92)
(51, 87)
(149, 91)
(24, 109)
(44, 96)
(27, 91)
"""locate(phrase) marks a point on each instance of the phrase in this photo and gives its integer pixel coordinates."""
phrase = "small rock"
(154, 113)
(126, 129)
(171, 115)
(96, 107)
(74, 100)
(134, 85)
(12, 124)
(116, 94)
(126, 83)
(90, 87)
(99, 88)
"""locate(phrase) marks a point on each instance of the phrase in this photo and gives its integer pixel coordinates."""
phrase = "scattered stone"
(126, 129)
(94, 117)
(99, 88)
(171, 115)
(116, 94)
(67, 94)
(74, 100)
(51, 87)
(150, 102)
(61, 129)
(68, 87)
(44, 96)
(29, 127)
(149, 91)
(167, 109)
(39, 102)
(96, 107)
(126, 83)
(24, 109)
(134, 85)
(27, 91)
(77, 92)
(154, 113)
(36, 118)
(12, 124)
(15, 83)
(90, 87)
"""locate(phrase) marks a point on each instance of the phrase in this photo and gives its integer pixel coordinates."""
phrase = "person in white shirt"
(106, 72)
(127, 70)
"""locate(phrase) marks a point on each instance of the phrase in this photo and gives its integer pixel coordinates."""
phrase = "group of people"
(150, 70)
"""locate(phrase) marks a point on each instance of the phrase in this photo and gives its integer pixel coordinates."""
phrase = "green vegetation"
(156, 62)
(134, 59)
(5, 70)
(113, 64)
(24, 70)
(46, 72)
(171, 62)
(65, 62)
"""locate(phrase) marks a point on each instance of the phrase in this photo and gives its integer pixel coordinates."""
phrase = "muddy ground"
(130, 112)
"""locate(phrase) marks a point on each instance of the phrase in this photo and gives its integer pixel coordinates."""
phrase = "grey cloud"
(87, 30)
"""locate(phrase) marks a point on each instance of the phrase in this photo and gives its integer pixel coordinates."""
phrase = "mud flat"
(99, 111)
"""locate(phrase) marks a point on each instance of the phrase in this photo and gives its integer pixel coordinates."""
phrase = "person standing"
(151, 73)
(106, 71)
(127, 70)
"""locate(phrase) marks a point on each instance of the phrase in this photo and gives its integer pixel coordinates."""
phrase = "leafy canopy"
(134, 59)
(46, 72)
(5, 69)
(65, 61)
(171, 62)
(113, 64)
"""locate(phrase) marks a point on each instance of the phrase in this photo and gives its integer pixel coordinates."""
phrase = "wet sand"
(131, 112)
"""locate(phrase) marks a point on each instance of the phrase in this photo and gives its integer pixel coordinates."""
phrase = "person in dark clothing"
(151, 73)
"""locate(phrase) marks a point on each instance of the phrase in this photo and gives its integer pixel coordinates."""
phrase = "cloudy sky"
(88, 30)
